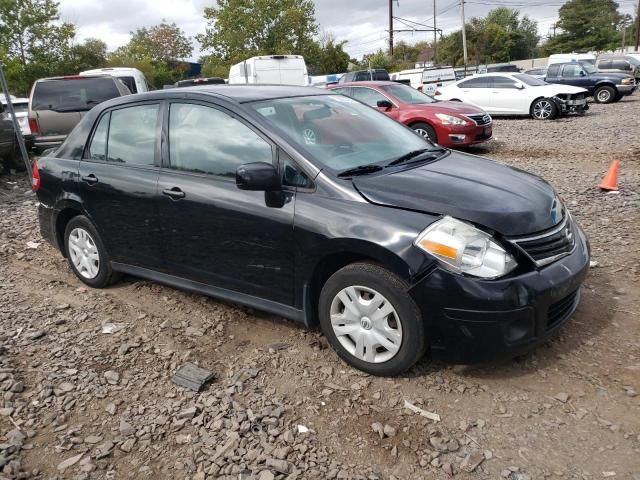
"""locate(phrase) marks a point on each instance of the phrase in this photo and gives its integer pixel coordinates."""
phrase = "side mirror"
(386, 104)
(257, 176)
(518, 85)
(582, 73)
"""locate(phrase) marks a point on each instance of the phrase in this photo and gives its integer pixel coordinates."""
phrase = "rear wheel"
(425, 130)
(544, 109)
(86, 253)
(604, 95)
(371, 321)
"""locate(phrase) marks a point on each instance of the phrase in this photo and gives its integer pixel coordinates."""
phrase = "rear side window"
(620, 65)
(604, 64)
(73, 95)
(98, 147)
(130, 83)
(206, 140)
(132, 135)
(478, 82)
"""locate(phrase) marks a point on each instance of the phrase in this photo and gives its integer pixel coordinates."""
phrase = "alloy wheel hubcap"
(603, 96)
(422, 133)
(366, 324)
(542, 110)
(84, 253)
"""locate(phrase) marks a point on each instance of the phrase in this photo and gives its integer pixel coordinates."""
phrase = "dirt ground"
(79, 403)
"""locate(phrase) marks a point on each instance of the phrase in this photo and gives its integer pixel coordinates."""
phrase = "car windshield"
(340, 133)
(407, 94)
(73, 94)
(588, 67)
(529, 80)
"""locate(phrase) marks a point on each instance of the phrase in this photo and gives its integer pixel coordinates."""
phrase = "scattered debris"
(430, 415)
(192, 377)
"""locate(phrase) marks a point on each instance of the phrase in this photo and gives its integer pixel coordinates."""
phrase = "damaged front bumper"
(571, 104)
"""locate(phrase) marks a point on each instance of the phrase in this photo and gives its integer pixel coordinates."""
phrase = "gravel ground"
(79, 403)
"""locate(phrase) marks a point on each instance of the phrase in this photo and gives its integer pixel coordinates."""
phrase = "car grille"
(560, 310)
(549, 246)
(480, 118)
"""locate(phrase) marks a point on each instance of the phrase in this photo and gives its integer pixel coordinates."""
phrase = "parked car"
(446, 123)
(8, 143)
(133, 78)
(498, 67)
(603, 87)
(516, 94)
(365, 76)
(589, 58)
(192, 82)
(270, 69)
(628, 65)
(57, 104)
(538, 72)
(21, 109)
(394, 246)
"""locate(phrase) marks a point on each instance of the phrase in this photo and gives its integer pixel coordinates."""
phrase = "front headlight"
(449, 119)
(462, 248)
(627, 81)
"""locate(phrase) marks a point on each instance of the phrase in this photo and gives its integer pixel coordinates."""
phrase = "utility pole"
(390, 27)
(555, 25)
(435, 34)
(638, 27)
(464, 37)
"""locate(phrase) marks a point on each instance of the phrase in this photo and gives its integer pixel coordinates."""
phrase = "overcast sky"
(363, 23)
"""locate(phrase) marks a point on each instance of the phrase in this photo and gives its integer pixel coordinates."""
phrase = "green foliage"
(161, 43)
(240, 29)
(587, 25)
(501, 36)
(326, 56)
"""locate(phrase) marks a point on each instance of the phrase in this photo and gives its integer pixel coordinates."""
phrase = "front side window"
(407, 94)
(571, 71)
(367, 95)
(132, 135)
(529, 80)
(98, 147)
(604, 64)
(338, 132)
(620, 65)
(503, 82)
(208, 141)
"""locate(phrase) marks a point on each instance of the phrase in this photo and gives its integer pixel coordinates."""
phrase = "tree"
(587, 25)
(326, 55)
(92, 53)
(163, 42)
(239, 29)
(34, 42)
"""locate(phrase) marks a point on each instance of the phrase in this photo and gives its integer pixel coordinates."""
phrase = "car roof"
(73, 77)
(235, 93)
(368, 83)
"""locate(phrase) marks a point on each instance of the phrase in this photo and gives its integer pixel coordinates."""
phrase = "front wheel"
(604, 95)
(544, 109)
(425, 130)
(371, 321)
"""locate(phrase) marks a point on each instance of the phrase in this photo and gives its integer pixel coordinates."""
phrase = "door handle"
(91, 179)
(174, 193)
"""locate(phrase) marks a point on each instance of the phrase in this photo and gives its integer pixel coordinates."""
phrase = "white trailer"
(271, 69)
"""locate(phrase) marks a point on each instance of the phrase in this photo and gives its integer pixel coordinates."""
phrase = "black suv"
(392, 244)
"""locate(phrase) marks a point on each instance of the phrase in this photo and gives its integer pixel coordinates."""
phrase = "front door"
(506, 98)
(213, 232)
(118, 184)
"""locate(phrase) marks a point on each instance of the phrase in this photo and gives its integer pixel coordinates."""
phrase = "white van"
(271, 69)
(572, 57)
(426, 79)
(132, 77)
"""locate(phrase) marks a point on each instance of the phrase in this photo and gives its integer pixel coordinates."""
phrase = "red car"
(449, 124)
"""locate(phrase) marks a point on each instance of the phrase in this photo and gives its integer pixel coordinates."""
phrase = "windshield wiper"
(435, 153)
(361, 170)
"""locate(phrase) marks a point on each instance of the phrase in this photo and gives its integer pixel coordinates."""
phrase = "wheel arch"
(341, 255)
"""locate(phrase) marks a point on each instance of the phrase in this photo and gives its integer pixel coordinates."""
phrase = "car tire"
(604, 95)
(86, 254)
(388, 343)
(544, 109)
(425, 130)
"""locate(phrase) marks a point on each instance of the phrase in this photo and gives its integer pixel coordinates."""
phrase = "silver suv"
(628, 65)
(57, 104)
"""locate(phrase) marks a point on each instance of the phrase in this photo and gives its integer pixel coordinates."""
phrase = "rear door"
(118, 183)
(214, 233)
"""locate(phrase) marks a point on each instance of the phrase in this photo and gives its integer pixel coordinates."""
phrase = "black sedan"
(316, 207)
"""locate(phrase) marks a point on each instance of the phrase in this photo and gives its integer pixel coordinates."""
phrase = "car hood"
(504, 199)
(613, 76)
(557, 89)
(458, 108)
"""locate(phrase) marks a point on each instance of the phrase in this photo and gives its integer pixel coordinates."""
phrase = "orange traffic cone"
(610, 180)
